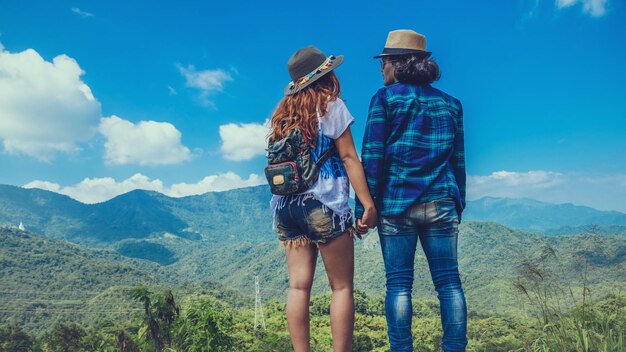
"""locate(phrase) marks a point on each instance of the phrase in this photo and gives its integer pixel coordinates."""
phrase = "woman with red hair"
(320, 218)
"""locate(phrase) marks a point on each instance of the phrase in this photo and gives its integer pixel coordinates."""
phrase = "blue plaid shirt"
(413, 148)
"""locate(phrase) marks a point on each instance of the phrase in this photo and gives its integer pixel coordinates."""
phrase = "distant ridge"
(138, 214)
(534, 215)
(244, 214)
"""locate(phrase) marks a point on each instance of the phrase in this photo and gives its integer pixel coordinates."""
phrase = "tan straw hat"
(403, 42)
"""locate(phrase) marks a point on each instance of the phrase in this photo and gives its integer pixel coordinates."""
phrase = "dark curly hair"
(415, 69)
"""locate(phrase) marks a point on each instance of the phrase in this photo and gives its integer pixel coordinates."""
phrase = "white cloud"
(95, 190)
(565, 3)
(144, 143)
(595, 8)
(49, 186)
(206, 81)
(605, 192)
(244, 141)
(533, 10)
(209, 80)
(221, 182)
(511, 184)
(45, 107)
(81, 13)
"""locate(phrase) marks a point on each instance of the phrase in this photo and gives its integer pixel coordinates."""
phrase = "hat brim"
(336, 63)
(397, 51)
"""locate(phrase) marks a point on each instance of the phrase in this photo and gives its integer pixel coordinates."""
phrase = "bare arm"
(350, 159)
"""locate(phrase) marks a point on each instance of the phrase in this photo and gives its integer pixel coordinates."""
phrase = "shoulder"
(380, 96)
(392, 89)
(397, 90)
(336, 120)
(337, 104)
(438, 94)
(336, 108)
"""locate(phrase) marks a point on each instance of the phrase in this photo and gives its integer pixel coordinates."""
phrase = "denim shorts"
(301, 219)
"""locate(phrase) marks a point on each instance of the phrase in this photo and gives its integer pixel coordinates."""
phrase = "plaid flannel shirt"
(413, 148)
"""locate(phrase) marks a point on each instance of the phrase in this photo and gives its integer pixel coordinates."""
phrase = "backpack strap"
(327, 154)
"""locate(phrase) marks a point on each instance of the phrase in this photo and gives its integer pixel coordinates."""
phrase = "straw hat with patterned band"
(307, 65)
(403, 42)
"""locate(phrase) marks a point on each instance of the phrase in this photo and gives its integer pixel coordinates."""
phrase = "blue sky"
(98, 98)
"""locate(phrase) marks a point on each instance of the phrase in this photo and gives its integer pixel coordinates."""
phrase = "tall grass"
(573, 333)
(586, 327)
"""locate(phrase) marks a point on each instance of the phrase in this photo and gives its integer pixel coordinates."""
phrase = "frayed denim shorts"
(302, 219)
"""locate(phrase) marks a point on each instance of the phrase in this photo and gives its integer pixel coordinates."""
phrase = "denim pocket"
(386, 226)
(279, 226)
(399, 226)
(446, 210)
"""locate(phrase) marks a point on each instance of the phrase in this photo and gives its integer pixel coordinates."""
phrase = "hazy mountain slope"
(533, 215)
(240, 215)
(235, 215)
(136, 214)
(221, 216)
(41, 211)
(588, 229)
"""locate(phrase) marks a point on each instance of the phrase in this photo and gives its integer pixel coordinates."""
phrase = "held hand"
(370, 217)
(361, 228)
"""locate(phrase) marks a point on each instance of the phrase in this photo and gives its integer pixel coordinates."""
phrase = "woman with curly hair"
(320, 218)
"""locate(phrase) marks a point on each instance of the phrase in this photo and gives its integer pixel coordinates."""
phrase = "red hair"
(300, 109)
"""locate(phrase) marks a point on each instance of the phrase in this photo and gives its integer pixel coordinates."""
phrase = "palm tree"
(160, 314)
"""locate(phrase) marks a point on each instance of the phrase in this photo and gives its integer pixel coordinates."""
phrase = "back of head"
(301, 109)
(415, 69)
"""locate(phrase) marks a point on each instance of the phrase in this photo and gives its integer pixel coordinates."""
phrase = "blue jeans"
(436, 225)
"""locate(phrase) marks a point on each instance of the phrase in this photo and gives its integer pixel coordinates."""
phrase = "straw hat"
(403, 42)
(307, 65)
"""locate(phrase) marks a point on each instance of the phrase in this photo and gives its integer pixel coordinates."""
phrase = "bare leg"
(301, 259)
(338, 256)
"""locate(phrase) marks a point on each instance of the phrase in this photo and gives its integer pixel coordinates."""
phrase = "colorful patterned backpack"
(291, 167)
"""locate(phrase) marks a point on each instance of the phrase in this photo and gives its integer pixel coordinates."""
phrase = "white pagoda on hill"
(21, 227)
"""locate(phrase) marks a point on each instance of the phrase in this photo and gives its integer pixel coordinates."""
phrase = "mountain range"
(224, 239)
(137, 214)
(533, 215)
(231, 215)
(230, 232)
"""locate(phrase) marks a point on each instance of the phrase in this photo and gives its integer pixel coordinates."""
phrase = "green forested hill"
(490, 258)
(43, 277)
(226, 237)
(44, 280)
(77, 282)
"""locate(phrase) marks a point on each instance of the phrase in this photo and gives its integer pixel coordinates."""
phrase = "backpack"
(291, 168)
